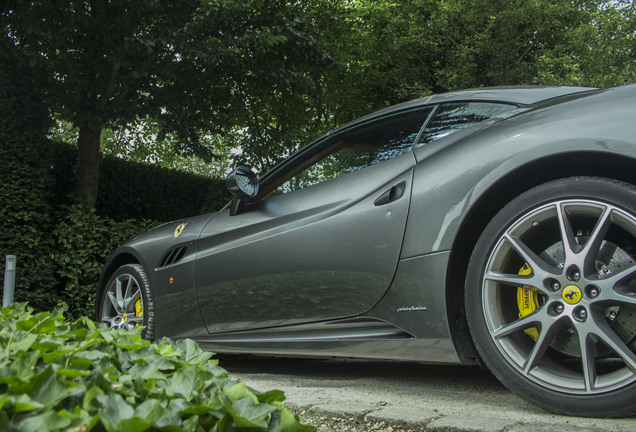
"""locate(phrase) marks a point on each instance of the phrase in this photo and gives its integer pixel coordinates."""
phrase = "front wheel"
(127, 300)
(551, 297)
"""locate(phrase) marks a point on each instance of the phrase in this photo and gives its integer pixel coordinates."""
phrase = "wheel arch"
(514, 183)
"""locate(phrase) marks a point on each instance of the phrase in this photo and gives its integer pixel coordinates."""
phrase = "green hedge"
(26, 189)
(129, 190)
(61, 376)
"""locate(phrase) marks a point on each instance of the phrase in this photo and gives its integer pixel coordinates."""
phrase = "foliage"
(82, 241)
(187, 65)
(61, 376)
(142, 141)
(411, 48)
(26, 181)
(599, 52)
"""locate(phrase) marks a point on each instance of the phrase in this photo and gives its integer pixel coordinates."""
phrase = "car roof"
(519, 95)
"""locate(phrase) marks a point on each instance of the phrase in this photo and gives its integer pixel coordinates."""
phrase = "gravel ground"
(327, 422)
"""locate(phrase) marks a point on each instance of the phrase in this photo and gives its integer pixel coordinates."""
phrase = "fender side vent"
(174, 255)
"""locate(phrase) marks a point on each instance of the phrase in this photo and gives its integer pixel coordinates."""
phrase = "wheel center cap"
(571, 294)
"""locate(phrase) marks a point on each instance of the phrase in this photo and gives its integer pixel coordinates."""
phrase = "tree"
(182, 63)
(410, 48)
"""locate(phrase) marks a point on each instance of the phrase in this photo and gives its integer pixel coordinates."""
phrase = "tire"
(127, 301)
(551, 297)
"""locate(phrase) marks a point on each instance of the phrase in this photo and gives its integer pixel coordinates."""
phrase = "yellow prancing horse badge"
(179, 230)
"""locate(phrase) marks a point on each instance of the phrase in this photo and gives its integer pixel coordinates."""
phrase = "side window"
(349, 151)
(452, 117)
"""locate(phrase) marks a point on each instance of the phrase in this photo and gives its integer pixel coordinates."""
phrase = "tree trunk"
(87, 169)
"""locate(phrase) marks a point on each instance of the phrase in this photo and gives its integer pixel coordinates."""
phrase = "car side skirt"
(408, 323)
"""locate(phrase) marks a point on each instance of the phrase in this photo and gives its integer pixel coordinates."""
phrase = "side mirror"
(242, 183)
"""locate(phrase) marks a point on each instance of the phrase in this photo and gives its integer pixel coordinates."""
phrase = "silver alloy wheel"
(123, 303)
(579, 338)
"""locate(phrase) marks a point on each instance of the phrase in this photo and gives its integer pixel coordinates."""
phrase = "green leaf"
(290, 422)
(90, 396)
(47, 421)
(46, 388)
(133, 424)
(38, 324)
(72, 373)
(24, 403)
(187, 383)
(249, 414)
(115, 409)
(151, 410)
(24, 343)
(146, 372)
(272, 397)
(23, 365)
(191, 352)
(239, 391)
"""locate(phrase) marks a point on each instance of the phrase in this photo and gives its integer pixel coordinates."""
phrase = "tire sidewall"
(617, 403)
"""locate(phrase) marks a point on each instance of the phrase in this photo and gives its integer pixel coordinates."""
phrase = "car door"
(321, 240)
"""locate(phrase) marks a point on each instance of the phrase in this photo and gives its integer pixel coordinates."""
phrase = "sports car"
(492, 226)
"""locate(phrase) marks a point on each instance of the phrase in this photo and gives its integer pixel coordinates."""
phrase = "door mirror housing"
(242, 184)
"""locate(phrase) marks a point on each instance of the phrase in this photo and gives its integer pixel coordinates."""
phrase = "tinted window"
(452, 117)
(350, 151)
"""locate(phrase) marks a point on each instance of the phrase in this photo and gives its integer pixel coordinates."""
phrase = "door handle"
(393, 194)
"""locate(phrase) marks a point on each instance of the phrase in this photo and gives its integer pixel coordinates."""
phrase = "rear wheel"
(551, 296)
(127, 300)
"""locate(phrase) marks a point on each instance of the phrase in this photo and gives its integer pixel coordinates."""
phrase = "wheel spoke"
(109, 320)
(133, 298)
(546, 336)
(129, 287)
(118, 294)
(567, 233)
(135, 319)
(588, 359)
(591, 248)
(512, 280)
(601, 329)
(611, 287)
(533, 320)
(113, 300)
(540, 268)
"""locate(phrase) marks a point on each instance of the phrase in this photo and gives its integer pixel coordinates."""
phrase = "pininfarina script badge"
(411, 308)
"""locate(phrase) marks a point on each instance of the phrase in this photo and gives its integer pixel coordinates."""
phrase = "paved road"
(425, 397)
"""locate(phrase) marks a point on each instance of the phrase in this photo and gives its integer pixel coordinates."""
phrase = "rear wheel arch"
(593, 164)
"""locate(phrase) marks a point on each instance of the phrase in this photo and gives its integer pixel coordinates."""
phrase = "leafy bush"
(82, 241)
(129, 190)
(25, 179)
(56, 375)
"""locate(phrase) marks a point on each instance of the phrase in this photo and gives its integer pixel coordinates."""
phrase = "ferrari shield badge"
(178, 230)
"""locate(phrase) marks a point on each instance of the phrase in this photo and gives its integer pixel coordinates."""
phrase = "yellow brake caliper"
(139, 309)
(528, 300)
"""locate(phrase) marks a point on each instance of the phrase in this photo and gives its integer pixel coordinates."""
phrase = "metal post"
(9, 281)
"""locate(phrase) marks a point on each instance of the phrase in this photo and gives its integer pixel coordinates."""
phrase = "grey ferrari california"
(493, 226)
